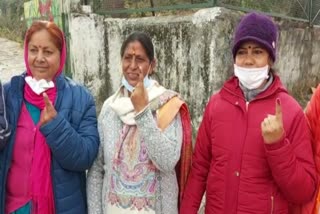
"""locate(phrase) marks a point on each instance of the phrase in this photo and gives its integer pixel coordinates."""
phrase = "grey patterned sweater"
(163, 149)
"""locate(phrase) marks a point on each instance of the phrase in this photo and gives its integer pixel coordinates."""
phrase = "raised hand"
(272, 126)
(139, 97)
(49, 112)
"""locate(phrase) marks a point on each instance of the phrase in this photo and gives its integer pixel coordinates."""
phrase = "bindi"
(133, 52)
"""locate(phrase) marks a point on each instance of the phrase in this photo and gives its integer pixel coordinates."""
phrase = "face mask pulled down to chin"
(38, 86)
(146, 82)
(251, 78)
(126, 84)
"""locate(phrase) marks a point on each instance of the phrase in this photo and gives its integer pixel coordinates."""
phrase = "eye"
(241, 52)
(127, 58)
(47, 52)
(140, 60)
(258, 51)
(33, 50)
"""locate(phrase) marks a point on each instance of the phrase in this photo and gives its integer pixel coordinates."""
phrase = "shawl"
(167, 104)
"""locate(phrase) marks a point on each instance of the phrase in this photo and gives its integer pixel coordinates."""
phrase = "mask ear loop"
(149, 69)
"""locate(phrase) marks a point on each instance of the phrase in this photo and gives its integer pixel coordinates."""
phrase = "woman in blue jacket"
(54, 126)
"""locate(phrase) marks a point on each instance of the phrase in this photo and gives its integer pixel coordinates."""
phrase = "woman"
(144, 130)
(266, 164)
(55, 137)
(313, 115)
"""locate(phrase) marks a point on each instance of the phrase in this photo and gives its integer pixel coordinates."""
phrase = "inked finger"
(141, 77)
(46, 100)
(278, 108)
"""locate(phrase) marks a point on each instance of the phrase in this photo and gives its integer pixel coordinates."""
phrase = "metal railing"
(308, 10)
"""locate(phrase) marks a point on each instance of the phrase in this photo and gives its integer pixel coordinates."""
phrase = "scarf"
(184, 165)
(165, 116)
(123, 107)
(29, 94)
(41, 188)
(167, 103)
(250, 94)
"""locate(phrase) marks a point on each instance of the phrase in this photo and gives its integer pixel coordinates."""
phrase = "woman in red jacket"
(313, 115)
(253, 151)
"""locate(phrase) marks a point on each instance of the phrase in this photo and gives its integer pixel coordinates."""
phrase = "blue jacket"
(72, 137)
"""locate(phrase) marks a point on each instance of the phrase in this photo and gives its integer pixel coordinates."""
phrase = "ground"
(11, 59)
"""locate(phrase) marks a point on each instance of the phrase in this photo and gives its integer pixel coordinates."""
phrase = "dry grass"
(302, 90)
(12, 29)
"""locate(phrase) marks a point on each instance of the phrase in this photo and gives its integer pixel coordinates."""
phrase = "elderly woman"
(55, 137)
(145, 149)
(253, 152)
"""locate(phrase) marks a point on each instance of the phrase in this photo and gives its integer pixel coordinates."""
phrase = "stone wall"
(193, 53)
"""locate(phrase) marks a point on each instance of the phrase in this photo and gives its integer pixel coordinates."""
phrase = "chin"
(133, 83)
(39, 77)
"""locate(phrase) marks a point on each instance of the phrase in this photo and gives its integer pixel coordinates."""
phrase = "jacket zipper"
(272, 204)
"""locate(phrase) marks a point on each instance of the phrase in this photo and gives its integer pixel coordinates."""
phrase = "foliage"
(294, 8)
(291, 8)
(12, 24)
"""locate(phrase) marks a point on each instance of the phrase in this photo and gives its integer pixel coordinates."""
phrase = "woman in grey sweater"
(145, 149)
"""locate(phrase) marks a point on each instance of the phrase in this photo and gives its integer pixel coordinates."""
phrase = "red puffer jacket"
(313, 115)
(238, 171)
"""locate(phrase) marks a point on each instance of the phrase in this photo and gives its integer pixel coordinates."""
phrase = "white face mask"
(251, 78)
(38, 86)
(146, 81)
(126, 84)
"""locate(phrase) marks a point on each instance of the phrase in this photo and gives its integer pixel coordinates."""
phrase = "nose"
(249, 60)
(133, 63)
(40, 57)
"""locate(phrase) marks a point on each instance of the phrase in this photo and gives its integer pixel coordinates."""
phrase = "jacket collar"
(17, 84)
(231, 89)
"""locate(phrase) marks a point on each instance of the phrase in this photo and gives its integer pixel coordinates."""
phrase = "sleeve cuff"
(277, 145)
(51, 125)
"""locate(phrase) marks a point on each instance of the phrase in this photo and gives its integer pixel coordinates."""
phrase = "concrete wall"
(193, 53)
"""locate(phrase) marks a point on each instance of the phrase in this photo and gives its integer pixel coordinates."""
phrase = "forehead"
(135, 47)
(41, 38)
(251, 44)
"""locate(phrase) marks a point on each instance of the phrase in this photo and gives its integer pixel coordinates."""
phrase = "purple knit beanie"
(257, 28)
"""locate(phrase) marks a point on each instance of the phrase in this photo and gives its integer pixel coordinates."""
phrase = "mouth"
(133, 76)
(40, 68)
